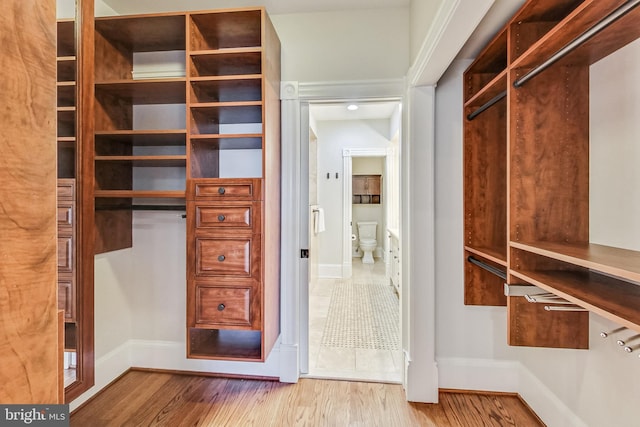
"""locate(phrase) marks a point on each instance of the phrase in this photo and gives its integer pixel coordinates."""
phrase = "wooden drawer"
(66, 189)
(223, 305)
(225, 189)
(66, 299)
(228, 215)
(65, 254)
(226, 256)
(65, 214)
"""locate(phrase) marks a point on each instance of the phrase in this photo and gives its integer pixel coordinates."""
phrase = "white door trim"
(347, 193)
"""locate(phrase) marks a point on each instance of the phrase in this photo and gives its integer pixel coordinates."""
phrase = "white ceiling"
(273, 6)
(367, 110)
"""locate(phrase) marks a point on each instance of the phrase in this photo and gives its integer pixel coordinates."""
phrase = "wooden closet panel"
(485, 165)
(549, 148)
(531, 325)
(29, 354)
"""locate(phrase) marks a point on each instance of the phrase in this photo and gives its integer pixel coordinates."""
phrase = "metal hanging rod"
(601, 25)
(486, 105)
(547, 298)
(491, 269)
(564, 308)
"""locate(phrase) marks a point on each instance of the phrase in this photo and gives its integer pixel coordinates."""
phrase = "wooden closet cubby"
(225, 152)
(527, 174)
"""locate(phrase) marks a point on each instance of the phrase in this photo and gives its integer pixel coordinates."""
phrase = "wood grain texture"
(82, 330)
(163, 399)
(29, 367)
(271, 155)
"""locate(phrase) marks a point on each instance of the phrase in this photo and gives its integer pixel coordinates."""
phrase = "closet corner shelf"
(622, 263)
(489, 91)
(491, 254)
(603, 295)
(577, 22)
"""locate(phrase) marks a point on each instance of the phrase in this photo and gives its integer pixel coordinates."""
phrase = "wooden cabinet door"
(373, 185)
(359, 185)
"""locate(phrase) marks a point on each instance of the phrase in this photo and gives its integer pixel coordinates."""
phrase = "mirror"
(75, 289)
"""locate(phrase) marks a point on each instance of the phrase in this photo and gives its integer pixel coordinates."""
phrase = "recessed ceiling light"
(352, 107)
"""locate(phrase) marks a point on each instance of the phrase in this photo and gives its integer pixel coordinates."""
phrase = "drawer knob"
(221, 190)
(221, 307)
(221, 218)
(221, 258)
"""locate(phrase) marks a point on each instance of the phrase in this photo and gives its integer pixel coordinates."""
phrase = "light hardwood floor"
(165, 399)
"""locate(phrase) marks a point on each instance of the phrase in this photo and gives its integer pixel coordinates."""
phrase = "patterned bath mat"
(362, 315)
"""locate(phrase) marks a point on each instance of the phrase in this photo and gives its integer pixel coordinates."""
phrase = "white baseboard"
(510, 377)
(479, 374)
(289, 363)
(421, 381)
(545, 403)
(107, 368)
(330, 271)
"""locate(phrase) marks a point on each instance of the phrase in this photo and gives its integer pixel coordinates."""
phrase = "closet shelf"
(585, 289)
(150, 161)
(228, 62)
(164, 137)
(247, 88)
(581, 19)
(497, 255)
(491, 90)
(227, 51)
(618, 262)
(143, 194)
(150, 91)
(487, 67)
(230, 142)
(144, 33)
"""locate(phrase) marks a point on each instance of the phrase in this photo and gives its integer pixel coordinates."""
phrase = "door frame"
(347, 194)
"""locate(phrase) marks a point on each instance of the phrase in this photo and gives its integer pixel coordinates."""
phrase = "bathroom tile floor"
(371, 350)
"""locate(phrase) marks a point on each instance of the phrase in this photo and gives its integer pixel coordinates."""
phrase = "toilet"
(368, 243)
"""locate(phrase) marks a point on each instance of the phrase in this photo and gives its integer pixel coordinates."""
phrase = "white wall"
(344, 45)
(333, 137)
(65, 9)
(614, 215)
(565, 387)
(422, 16)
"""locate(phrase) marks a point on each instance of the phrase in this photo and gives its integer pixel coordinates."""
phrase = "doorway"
(354, 310)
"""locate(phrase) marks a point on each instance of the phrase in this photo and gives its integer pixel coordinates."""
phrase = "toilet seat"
(367, 241)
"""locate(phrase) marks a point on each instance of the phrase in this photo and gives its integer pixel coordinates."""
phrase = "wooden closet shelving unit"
(527, 172)
(66, 188)
(228, 148)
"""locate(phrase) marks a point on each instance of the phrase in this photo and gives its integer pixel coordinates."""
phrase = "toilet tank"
(367, 230)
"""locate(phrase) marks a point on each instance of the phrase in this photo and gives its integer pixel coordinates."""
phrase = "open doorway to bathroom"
(354, 187)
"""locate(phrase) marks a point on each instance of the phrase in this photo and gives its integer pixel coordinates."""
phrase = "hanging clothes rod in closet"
(491, 269)
(486, 105)
(573, 44)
